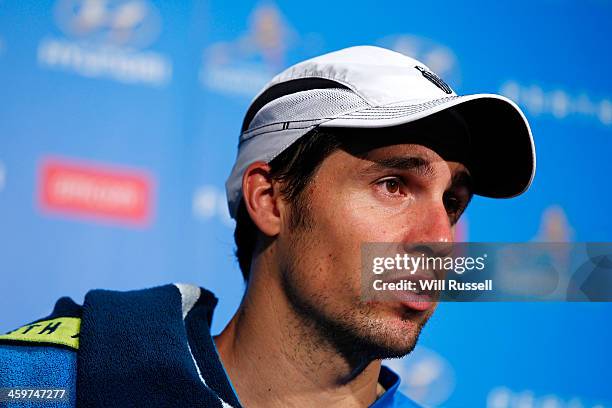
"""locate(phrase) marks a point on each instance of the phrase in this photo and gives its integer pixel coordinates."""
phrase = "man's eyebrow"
(420, 166)
(464, 179)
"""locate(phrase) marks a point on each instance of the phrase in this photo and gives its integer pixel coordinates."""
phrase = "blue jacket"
(140, 348)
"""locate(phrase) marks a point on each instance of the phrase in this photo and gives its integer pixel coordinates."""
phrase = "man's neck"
(276, 358)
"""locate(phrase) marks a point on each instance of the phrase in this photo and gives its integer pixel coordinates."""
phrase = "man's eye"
(391, 186)
(454, 207)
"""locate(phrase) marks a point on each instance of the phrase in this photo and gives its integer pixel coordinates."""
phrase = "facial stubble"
(358, 331)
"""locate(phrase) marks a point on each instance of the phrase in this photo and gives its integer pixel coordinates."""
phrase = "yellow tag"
(61, 330)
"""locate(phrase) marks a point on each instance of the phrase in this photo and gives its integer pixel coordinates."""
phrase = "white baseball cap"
(373, 87)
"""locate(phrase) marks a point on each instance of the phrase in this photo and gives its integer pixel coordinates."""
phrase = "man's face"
(391, 193)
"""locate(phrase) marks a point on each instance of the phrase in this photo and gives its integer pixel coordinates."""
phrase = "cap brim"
(503, 159)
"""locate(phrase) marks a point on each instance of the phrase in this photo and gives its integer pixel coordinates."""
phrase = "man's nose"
(433, 232)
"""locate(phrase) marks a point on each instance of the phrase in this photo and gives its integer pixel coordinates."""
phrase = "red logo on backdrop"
(95, 190)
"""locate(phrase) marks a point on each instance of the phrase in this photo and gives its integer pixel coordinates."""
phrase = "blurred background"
(119, 122)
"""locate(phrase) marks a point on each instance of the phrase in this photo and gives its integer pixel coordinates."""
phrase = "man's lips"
(418, 299)
(415, 301)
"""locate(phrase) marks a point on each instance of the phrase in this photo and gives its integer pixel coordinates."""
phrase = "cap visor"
(502, 153)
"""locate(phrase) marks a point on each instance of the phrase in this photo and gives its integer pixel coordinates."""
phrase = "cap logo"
(436, 80)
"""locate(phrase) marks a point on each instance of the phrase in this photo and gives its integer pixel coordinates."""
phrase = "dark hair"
(294, 168)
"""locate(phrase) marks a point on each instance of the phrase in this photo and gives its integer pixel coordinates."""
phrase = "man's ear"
(261, 198)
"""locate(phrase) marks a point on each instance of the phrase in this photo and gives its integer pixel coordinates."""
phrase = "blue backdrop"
(119, 123)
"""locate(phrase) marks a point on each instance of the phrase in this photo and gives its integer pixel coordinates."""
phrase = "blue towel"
(47, 368)
(133, 350)
(136, 351)
(144, 348)
(42, 364)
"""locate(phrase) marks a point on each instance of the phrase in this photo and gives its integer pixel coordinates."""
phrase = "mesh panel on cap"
(313, 104)
(395, 111)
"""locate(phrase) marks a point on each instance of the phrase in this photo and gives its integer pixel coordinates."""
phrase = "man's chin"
(382, 334)
(393, 337)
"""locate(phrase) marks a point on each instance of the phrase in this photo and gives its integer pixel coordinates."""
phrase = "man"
(359, 145)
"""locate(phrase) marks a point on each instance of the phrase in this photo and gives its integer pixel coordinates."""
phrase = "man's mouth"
(417, 295)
